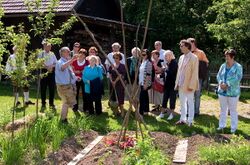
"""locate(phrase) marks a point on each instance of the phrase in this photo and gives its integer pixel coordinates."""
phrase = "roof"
(18, 6)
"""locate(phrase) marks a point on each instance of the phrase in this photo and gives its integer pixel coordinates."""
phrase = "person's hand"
(145, 87)
(78, 78)
(77, 71)
(50, 68)
(74, 57)
(223, 86)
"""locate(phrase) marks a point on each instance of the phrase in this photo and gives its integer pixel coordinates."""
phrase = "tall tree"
(229, 21)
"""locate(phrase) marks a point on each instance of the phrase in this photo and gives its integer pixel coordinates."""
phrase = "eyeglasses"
(182, 46)
(143, 54)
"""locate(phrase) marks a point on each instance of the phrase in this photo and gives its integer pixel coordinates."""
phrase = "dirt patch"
(70, 148)
(112, 155)
(19, 123)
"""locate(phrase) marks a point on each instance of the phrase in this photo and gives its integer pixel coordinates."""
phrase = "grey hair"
(63, 49)
(116, 44)
(169, 52)
(136, 50)
(158, 42)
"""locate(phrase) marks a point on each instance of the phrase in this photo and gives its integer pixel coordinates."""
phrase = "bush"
(145, 153)
(235, 152)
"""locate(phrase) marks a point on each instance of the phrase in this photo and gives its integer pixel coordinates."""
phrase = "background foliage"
(216, 24)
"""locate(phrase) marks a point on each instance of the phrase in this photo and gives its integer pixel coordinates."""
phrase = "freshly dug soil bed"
(70, 148)
(112, 155)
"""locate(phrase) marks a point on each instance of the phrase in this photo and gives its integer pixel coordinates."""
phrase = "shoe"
(64, 121)
(75, 108)
(27, 103)
(161, 115)
(180, 122)
(196, 115)
(171, 116)
(189, 124)
(53, 107)
(233, 131)
(156, 108)
(220, 129)
(18, 103)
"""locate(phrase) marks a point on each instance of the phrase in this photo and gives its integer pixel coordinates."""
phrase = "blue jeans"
(197, 98)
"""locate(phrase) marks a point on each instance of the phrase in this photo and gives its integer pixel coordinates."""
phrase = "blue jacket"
(90, 74)
(232, 78)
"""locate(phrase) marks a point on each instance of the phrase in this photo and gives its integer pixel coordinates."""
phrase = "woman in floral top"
(229, 77)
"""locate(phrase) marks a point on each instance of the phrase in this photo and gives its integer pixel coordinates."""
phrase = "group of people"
(159, 77)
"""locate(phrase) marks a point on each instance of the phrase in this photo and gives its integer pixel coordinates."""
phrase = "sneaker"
(18, 103)
(189, 124)
(64, 121)
(171, 116)
(180, 122)
(75, 108)
(220, 129)
(233, 131)
(161, 115)
(53, 107)
(27, 103)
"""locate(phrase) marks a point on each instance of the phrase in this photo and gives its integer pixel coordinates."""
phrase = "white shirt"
(81, 63)
(162, 56)
(141, 73)
(50, 58)
(110, 57)
(11, 63)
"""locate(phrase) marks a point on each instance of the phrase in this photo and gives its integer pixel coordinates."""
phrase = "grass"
(145, 153)
(47, 133)
(236, 151)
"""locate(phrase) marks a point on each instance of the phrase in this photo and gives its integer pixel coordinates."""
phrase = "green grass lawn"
(206, 123)
(47, 134)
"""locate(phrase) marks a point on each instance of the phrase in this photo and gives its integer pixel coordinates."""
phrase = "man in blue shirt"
(65, 81)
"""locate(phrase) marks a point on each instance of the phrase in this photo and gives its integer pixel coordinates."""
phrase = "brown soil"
(20, 122)
(70, 148)
(112, 155)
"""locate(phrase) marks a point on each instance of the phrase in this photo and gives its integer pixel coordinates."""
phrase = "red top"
(78, 69)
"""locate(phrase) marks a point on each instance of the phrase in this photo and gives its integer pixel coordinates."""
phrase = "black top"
(171, 74)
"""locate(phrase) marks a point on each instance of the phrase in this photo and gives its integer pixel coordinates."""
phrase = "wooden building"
(101, 16)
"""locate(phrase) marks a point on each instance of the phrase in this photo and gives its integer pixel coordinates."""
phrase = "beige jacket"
(191, 79)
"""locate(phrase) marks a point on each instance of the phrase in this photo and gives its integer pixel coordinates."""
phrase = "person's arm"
(235, 78)
(68, 63)
(204, 57)
(195, 75)
(219, 77)
(84, 78)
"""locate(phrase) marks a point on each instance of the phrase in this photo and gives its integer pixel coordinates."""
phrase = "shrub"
(236, 151)
(145, 153)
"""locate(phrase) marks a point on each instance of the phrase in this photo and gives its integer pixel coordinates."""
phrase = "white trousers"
(228, 104)
(187, 99)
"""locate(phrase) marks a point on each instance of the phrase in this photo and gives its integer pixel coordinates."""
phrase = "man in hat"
(48, 80)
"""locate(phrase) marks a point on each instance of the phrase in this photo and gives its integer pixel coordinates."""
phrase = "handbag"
(158, 85)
